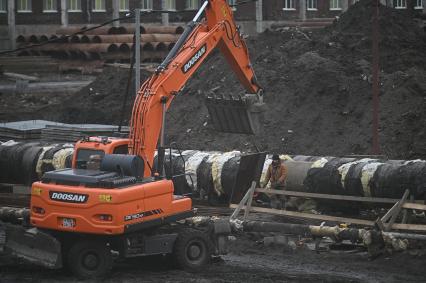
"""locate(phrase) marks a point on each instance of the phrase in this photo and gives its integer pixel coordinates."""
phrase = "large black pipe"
(211, 175)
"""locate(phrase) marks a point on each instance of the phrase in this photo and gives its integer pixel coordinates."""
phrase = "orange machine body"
(101, 210)
(100, 145)
(104, 211)
(217, 31)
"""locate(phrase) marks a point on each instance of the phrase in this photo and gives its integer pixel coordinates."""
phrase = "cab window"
(122, 149)
(83, 156)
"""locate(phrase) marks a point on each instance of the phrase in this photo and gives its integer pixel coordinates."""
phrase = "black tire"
(89, 259)
(192, 250)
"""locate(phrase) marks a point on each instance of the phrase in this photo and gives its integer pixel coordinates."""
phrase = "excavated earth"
(317, 91)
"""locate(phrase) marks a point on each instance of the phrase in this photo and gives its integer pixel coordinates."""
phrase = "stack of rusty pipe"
(105, 43)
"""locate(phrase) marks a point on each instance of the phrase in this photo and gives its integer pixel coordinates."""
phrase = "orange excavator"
(114, 201)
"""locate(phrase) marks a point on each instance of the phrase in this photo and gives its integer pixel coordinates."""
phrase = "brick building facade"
(32, 16)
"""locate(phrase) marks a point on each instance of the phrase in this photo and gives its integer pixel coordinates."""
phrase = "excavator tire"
(192, 250)
(89, 259)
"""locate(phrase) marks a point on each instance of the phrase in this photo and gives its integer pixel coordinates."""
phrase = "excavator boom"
(229, 113)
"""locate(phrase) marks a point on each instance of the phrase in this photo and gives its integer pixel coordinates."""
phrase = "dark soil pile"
(317, 90)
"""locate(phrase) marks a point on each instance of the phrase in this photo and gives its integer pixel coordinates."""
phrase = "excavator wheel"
(192, 250)
(89, 259)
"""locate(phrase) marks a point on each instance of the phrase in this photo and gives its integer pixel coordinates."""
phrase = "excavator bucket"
(239, 115)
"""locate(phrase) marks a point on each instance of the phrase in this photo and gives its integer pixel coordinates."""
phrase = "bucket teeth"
(231, 114)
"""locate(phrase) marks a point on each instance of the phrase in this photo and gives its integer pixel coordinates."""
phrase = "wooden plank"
(16, 76)
(389, 213)
(249, 200)
(240, 205)
(336, 219)
(309, 216)
(327, 196)
(410, 227)
(417, 206)
(397, 211)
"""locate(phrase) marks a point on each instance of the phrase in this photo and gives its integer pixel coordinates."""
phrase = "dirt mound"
(397, 32)
(317, 90)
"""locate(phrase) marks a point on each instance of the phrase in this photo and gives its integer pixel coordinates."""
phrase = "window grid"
(99, 6)
(24, 6)
(289, 5)
(146, 5)
(170, 5)
(74, 5)
(124, 5)
(49, 6)
(3, 6)
(231, 3)
(401, 4)
(312, 5)
(335, 5)
(419, 4)
(192, 4)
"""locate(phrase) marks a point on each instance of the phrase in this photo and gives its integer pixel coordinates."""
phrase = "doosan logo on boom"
(68, 197)
(197, 56)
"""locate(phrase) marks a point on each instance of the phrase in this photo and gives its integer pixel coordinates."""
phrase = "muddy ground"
(249, 261)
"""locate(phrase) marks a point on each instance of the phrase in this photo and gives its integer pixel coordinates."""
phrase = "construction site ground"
(250, 260)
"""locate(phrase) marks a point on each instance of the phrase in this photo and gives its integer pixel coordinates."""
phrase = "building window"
(419, 4)
(289, 5)
(401, 4)
(99, 6)
(124, 5)
(335, 5)
(3, 6)
(233, 4)
(312, 5)
(49, 6)
(146, 5)
(24, 6)
(74, 5)
(191, 4)
(170, 5)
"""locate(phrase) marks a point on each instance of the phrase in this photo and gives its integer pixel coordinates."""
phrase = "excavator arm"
(196, 43)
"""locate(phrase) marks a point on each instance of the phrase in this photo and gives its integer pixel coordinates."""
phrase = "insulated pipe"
(213, 173)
